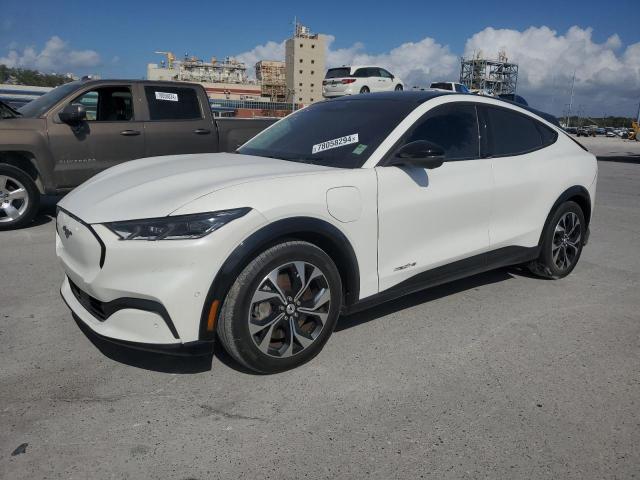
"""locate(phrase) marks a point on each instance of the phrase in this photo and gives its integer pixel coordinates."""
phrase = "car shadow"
(46, 212)
(629, 158)
(425, 296)
(166, 363)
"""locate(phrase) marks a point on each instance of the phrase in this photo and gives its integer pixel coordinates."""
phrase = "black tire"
(550, 264)
(398, 88)
(233, 327)
(364, 90)
(11, 180)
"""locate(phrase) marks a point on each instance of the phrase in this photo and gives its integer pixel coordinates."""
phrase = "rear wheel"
(364, 90)
(19, 198)
(562, 243)
(282, 308)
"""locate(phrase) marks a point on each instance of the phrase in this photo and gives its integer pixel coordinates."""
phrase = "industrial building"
(493, 77)
(225, 79)
(304, 58)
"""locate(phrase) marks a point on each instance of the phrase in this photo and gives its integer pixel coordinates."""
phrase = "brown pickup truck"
(61, 139)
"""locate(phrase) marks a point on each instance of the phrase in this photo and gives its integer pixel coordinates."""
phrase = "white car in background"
(333, 209)
(359, 79)
(450, 87)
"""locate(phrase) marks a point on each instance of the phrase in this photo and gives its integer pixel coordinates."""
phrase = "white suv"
(358, 79)
(335, 208)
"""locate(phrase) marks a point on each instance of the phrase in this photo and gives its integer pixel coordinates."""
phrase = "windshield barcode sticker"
(335, 143)
(171, 97)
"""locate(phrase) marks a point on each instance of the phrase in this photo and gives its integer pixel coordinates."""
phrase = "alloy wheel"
(566, 241)
(14, 199)
(289, 309)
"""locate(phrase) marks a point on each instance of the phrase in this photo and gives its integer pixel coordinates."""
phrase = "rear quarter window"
(512, 133)
(172, 103)
(338, 72)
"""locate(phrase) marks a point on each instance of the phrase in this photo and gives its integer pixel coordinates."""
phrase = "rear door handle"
(130, 133)
(201, 131)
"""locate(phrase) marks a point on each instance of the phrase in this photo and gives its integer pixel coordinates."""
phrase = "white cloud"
(607, 75)
(55, 56)
(417, 63)
(269, 51)
(606, 82)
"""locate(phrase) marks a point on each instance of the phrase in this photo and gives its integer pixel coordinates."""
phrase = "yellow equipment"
(635, 134)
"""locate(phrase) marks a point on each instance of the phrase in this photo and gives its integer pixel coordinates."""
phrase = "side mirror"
(73, 114)
(421, 153)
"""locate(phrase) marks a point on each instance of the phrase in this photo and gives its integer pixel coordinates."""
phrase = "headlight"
(179, 227)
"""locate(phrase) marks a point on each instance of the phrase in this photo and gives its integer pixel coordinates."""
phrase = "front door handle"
(201, 131)
(130, 133)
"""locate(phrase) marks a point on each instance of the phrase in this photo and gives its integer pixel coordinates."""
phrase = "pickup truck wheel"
(282, 308)
(19, 198)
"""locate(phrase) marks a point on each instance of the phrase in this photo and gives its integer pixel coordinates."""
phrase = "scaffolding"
(272, 77)
(493, 77)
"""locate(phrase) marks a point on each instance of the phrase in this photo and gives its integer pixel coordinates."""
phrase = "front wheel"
(562, 243)
(282, 308)
(19, 198)
(398, 88)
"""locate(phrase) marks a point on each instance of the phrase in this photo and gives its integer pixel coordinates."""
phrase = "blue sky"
(124, 35)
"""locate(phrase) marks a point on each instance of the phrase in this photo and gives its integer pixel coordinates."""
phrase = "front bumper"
(150, 293)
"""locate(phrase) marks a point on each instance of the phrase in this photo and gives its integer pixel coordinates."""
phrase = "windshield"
(7, 112)
(41, 105)
(338, 72)
(336, 133)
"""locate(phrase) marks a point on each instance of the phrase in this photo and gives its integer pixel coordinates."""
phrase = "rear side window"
(441, 85)
(453, 127)
(172, 103)
(512, 133)
(338, 72)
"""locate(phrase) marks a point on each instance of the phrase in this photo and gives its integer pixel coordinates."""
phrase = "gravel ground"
(497, 376)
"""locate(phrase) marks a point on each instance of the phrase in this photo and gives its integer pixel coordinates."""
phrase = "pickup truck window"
(107, 104)
(172, 103)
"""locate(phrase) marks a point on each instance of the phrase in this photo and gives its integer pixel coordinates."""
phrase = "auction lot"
(501, 375)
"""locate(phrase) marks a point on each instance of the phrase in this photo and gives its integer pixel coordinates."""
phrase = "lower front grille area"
(93, 305)
(103, 310)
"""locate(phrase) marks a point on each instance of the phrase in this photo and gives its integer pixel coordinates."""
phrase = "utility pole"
(573, 82)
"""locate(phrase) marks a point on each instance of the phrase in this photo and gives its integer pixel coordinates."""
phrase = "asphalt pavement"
(500, 375)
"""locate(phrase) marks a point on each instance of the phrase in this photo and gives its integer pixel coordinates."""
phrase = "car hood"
(157, 186)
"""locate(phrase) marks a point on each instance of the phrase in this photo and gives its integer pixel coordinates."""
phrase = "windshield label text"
(172, 97)
(335, 143)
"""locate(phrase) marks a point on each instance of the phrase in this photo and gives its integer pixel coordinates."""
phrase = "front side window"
(336, 134)
(512, 133)
(107, 104)
(172, 103)
(453, 127)
(385, 74)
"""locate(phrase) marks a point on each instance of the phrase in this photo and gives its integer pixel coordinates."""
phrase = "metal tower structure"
(487, 76)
